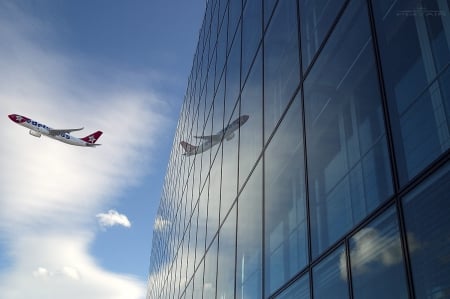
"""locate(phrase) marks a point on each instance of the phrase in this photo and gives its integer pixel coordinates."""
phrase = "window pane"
(198, 282)
(268, 9)
(214, 198)
(226, 258)
(415, 53)
(250, 134)
(427, 220)
(299, 290)
(378, 269)
(209, 284)
(316, 18)
(233, 83)
(251, 33)
(221, 47)
(285, 215)
(249, 239)
(281, 63)
(235, 11)
(330, 277)
(349, 172)
(229, 171)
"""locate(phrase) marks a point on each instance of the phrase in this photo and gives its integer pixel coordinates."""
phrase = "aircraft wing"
(55, 132)
(209, 137)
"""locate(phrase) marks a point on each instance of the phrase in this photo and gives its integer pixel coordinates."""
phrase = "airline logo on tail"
(37, 129)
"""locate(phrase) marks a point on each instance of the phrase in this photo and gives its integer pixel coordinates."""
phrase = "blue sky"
(78, 221)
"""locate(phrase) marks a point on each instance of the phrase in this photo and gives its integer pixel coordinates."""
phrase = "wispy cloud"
(49, 190)
(113, 218)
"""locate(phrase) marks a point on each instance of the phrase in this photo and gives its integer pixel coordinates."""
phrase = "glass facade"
(312, 155)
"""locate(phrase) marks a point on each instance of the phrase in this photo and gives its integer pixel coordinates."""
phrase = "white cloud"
(49, 190)
(113, 218)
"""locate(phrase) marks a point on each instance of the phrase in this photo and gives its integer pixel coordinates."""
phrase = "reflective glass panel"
(233, 78)
(281, 63)
(251, 33)
(250, 133)
(221, 49)
(426, 211)
(229, 167)
(348, 162)
(209, 283)
(376, 258)
(249, 239)
(285, 216)
(330, 277)
(268, 9)
(226, 257)
(234, 11)
(316, 18)
(198, 282)
(214, 198)
(298, 290)
(202, 221)
(414, 45)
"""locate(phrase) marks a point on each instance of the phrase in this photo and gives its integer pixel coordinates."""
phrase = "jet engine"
(35, 134)
(229, 137)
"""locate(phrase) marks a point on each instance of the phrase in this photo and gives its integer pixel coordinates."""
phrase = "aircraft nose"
(17, 118)
(244, 118)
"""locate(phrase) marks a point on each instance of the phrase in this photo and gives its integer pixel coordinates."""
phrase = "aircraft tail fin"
(188, 148)
(91, 139)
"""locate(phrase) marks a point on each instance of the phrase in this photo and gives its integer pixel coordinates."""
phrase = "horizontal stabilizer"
(189, 148)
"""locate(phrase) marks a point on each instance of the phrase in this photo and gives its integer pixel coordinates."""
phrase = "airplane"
(211, 140)
(38, 129)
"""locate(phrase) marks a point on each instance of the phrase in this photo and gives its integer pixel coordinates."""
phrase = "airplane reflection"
(211, 140)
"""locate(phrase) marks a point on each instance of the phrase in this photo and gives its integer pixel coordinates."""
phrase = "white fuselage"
(44, 130)
(37, 129)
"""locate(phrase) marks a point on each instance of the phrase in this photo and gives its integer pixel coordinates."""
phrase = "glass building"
(338, 184)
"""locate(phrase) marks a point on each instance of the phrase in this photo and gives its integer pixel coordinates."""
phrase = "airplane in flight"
(211, 140)
(38, 129)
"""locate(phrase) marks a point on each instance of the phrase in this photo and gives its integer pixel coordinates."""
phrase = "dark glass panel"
(251, 33)
(233, 78)
(414, 45)
(348, 161)
(281, 63)
(316, 18)
(249, 239)
(268, 9)
(221, 49)
(234, 11)
(330, 277)
(426, 211)
(298, 290)
(377, 263)
(285, 207)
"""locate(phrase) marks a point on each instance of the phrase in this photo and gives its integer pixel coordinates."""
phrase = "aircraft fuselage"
(37, 129)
